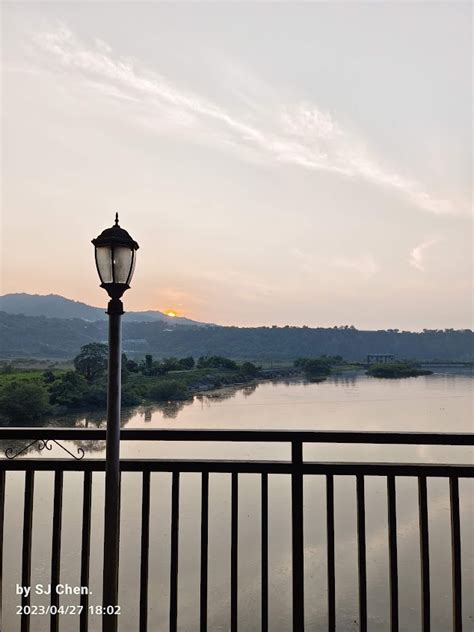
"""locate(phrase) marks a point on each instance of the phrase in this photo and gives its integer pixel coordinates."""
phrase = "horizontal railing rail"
(296, 468)
(345, 468)
(273, 436)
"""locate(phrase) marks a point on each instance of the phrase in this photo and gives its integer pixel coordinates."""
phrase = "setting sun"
(171, 313)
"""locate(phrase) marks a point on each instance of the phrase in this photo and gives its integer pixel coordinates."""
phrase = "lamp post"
(115, 256)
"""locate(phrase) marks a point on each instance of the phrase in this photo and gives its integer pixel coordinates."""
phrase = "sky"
(278, 163)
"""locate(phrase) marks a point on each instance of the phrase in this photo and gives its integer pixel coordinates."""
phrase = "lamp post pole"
(115, 255)
(112, 469)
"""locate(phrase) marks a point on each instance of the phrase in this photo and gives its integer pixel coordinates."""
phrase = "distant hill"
(55, 306)
(46, 337)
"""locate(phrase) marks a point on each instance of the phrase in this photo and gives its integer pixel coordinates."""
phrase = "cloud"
(365, 265)
(417, 254)
(299, 134)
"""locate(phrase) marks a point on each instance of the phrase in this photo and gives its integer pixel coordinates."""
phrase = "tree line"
(28, 336)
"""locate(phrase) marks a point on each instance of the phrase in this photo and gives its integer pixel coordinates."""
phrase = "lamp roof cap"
(115, 236)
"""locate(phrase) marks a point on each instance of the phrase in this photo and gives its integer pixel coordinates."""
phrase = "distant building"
(380, 358)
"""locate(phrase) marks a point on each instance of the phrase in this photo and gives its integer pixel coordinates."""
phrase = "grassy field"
(25, 375)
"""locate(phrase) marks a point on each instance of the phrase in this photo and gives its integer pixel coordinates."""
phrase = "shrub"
(167, 390)
(314, 367)
(397, 369)
(24, 400)
(48, 377)
(215, 362)
(130, 396)
(96, 396)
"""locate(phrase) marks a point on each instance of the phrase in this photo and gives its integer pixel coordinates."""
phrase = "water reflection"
(345, 380)
(438, 402)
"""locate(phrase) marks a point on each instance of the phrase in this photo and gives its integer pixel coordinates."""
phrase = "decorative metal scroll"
(42, 444)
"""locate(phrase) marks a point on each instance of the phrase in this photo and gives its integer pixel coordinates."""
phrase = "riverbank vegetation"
(397, 370)
(28, 394)
(32, 394)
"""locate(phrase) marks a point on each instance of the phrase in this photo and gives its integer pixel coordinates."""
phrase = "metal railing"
(297, 468)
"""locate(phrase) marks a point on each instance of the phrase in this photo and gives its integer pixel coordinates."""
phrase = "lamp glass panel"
(103, 256)
(132, 270)
(122, 263)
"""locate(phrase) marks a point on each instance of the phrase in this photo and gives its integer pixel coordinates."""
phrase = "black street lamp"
(115, 256)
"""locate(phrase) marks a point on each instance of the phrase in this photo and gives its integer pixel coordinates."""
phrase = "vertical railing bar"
(85, 549)
(56, 547)
(392, 552)
(2, 521)
(331, 567)
(264, 552)
(297, 535)
(456, 553)
(424, 554)
(144, 553)
(26, 548)
(174, 552)
(204, 548)
(234, 552)
(362, 553)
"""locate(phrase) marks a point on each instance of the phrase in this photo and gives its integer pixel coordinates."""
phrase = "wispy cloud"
(417, 254)
(300, 135)
(365, 265)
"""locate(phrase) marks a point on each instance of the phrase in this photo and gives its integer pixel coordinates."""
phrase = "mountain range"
(55, 306)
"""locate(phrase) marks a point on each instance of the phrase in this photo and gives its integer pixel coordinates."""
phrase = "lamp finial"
(116, 219)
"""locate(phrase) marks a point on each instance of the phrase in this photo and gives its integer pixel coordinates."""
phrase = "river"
(439, 402)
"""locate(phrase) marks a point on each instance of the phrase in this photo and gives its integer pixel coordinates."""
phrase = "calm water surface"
(441, 402)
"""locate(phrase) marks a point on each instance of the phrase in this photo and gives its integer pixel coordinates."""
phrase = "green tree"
(24, 401)
(151, 367)
(124, 368)
(170, 364)
(92, 361)
(187, 363)
(173, 364)
(70, 390)
(131, 395)
(249, 368)
(132, 366)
